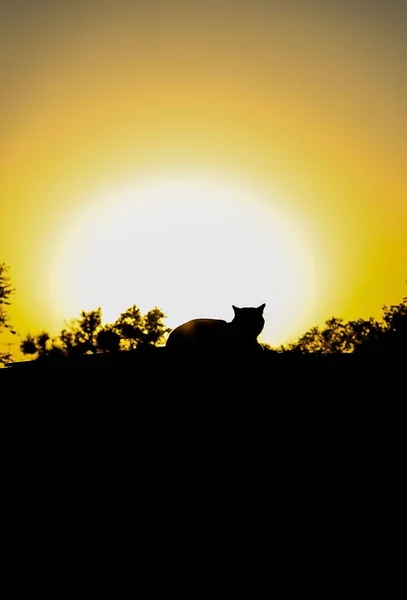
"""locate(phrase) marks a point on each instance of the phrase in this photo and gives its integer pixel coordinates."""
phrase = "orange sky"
(302, 103)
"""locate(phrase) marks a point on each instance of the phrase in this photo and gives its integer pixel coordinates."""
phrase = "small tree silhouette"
(129, 326)
(360, 336)
(395, 320)
(5, 292)
(388, 337)
(87, 330)
(78, 337)
(136, 330)
(108, 340)
(40, 346)
(154, 328)
(366, 335)
(87, 335)
(28, 345)
(42, 340)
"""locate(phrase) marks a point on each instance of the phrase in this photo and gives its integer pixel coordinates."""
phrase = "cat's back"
(199, 333)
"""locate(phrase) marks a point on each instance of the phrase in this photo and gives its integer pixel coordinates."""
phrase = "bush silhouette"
(87, 335)
(361, 336)
(5, 293)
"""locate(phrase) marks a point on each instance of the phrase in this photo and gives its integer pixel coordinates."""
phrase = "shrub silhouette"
(136, 330)
(29, 345)
(361, 336)
(87, 335)
(5, 292)
(108, 340)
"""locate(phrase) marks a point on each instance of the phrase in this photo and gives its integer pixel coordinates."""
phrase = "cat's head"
(249, 320)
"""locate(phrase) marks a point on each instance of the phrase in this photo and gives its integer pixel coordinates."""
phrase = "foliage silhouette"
(361, 336)
(42, 345)
(42, 340)
(136, 330)
(67, 340)
(132, 330)
(29, 345)
(87, 335)
(154, 330)
(77, 338)
(87, 329)
(129, 326)
(108, 340)
(5, 292)
(395, 319)
(35, 345)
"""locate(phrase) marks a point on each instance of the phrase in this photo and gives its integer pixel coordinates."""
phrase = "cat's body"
(214, 335)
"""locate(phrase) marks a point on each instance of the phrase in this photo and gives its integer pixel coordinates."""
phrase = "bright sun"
(191, 246)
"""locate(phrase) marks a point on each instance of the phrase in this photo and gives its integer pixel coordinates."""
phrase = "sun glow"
(192, 246)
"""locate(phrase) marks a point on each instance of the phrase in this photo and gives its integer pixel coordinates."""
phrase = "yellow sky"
(302, 103)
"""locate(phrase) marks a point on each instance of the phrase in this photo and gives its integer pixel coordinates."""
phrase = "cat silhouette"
(216, 335)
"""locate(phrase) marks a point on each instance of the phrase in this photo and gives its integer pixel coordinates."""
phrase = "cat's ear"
(236, 309)
(261, 308)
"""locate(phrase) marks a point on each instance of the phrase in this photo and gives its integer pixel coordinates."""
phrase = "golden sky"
(192, 155)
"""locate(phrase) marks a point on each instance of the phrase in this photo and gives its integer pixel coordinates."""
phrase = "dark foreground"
(303, 450)
(157, 374)
(274, 406)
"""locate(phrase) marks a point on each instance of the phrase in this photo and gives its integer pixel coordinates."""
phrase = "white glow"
(193, 247)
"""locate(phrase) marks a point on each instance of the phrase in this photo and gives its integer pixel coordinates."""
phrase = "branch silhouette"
(5, 293)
